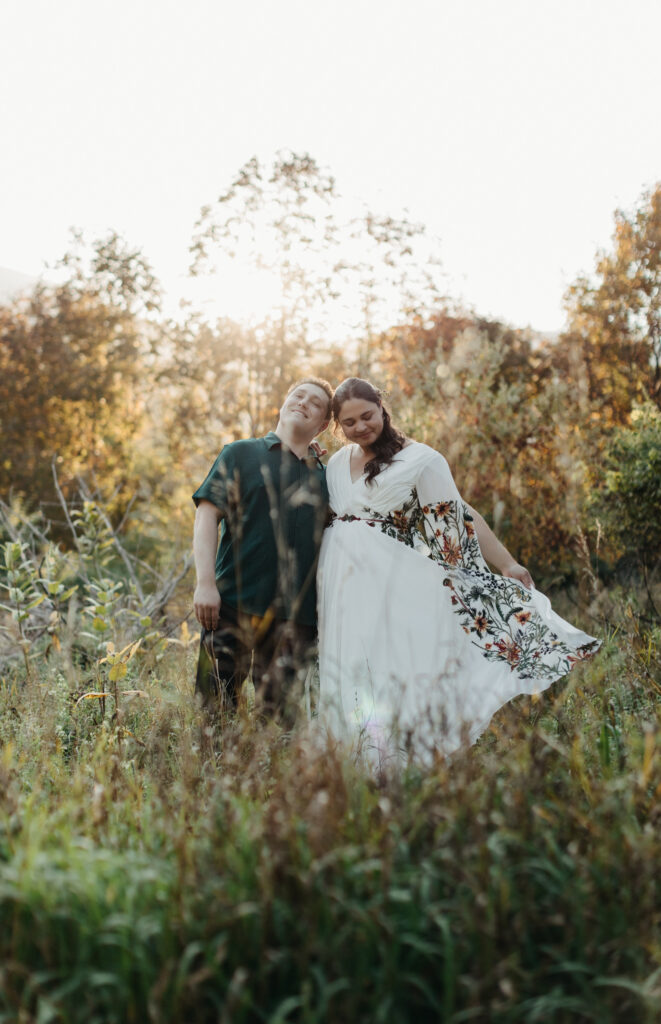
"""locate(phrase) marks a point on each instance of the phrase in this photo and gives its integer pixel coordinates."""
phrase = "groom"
(256, 595)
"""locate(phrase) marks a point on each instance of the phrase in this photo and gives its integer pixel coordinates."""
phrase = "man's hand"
(207, 605)
(520, 573)
(317, 449)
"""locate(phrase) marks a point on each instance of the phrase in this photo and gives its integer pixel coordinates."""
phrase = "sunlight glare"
(240, 292)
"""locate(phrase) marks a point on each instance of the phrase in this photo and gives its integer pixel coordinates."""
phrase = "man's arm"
(205, 544)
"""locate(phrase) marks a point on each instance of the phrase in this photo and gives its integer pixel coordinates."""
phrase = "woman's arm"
(436, 483)
(497, 553)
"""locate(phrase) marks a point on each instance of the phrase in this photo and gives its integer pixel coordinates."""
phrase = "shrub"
(628, 504)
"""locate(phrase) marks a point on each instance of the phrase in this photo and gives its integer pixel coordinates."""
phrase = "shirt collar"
(271, 440)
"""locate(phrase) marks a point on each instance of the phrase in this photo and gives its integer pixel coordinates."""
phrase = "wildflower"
(509, 650)
(400, 520)
(451, 551)
(480, 623)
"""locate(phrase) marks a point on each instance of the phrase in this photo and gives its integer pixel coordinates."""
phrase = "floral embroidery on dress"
(450, 534)
(403, 524)
(491, 608)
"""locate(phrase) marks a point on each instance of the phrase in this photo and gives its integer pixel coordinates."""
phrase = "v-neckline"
(361, 476)
(362, 472)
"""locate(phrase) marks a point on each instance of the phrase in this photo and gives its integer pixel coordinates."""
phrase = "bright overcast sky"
(511, 128)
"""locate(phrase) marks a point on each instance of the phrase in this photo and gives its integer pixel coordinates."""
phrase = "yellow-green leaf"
(92, 696)
(134, 648)
(118, 671)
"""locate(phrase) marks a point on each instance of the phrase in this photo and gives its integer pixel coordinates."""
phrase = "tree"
(74, 361)
(490, 398)
(615, 318)
(628, 504)
(342, 275)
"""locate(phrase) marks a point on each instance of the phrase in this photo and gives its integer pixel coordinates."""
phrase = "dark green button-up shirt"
(274, 508)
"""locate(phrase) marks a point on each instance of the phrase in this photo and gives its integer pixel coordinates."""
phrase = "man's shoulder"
(244, 446)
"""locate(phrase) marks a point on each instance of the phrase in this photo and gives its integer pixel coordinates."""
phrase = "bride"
(419, 642)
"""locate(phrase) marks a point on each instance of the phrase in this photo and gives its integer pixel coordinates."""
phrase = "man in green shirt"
(256, 594)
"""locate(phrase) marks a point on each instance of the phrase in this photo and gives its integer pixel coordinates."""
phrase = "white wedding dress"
(419, 643)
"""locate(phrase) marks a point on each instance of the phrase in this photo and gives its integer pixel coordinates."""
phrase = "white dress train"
(419, 643)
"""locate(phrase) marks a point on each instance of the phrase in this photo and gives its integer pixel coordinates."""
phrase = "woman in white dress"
(419, 643)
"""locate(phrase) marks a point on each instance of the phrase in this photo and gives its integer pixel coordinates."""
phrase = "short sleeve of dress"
(221, 482)
(435, 481)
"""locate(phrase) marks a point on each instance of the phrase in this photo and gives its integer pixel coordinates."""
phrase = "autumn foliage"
(95, 380)
(153, 868)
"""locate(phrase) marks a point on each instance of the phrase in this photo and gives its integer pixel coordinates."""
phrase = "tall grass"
(152, 869)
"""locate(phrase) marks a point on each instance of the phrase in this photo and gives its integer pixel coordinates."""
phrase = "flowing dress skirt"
(420, 643)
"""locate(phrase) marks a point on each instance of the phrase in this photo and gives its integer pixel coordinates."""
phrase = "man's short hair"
(320, 383)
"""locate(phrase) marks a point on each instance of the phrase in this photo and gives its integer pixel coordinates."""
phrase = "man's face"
(306, 409)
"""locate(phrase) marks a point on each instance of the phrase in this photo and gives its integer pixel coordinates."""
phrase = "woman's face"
(361, 421)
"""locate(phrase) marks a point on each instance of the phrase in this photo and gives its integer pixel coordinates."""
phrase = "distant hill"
(13, 282)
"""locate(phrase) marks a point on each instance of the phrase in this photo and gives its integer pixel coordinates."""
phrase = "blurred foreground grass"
(152, 871)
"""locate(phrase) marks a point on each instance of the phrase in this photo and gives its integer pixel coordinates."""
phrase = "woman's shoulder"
(423, 459)
(422, 452)
(340, 454)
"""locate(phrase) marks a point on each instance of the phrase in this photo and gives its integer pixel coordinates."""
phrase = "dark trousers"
(276, 653)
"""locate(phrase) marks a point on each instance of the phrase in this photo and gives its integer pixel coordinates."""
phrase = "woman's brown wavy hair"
(390, 440)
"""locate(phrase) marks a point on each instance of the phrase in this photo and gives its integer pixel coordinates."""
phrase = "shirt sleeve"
(221, 485)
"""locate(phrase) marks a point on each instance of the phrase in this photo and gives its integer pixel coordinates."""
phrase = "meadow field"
(154, 867)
